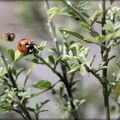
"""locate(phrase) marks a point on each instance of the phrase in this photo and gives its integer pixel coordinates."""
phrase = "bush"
(69, 57)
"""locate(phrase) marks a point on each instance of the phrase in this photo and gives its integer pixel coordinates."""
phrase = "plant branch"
(69, 91)
(36, 94)
(20, 112)
(47, 64)
(63, 77)
(11, 78)
(8, 69)
(105, 54)
(67, 3)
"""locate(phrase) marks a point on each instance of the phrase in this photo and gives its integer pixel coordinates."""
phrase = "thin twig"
(20, 112)
(47, 64)
(36, 94)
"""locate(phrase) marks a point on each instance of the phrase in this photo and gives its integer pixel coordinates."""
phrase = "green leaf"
(51, 59)
(54, 12)
(58, 60)
(109, 26)
(112, 35)
(3, 71)
(43, 84)
(91, 39)
(75, 34)
(85, 25)
(66, 57)
(42, 45)
(54, 50)
(117, 90)
(94, 33)
(18, 72)
(34, 60)
(98, 39)
(116, 25)
(95, 16)
(70, 53)
(18, 56)
(11, 54)
(77, 102)
(76, 68)
(82, 69)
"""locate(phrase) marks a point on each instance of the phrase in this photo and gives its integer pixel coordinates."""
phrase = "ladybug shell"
(22, 45)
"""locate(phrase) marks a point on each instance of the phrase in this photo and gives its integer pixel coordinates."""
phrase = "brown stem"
(69, 91)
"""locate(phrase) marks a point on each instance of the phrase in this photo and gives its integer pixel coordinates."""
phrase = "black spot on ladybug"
(23, 39)
(20, 45)
(26, 43)
(77, 18)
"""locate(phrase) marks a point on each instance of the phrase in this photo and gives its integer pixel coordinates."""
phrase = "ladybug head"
(32, 47)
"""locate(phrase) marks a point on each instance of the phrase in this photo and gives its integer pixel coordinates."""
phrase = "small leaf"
(112, 35)
(70, 53)
(94, 33)
(54, 10)
(92, 60)
(74, 69)
(51, 59)
(66, 57)
(82, 101)
(91, 39)
(42, 45)
(54, 50)
(75, 34)
(58, 60)
(43, 84)
(18, 56)
(19, 71)
(82, 70)
(85, 25)
(77, 102)
(11, 53)
(116, 25)
(95, 16)
(117, 90)
(34, 60)
(3, 71)
(109, 26)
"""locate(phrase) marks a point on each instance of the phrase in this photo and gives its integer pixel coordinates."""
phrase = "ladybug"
(27, 46)
(8, 36)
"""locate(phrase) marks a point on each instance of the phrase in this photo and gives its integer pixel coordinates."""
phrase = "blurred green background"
(29, 20)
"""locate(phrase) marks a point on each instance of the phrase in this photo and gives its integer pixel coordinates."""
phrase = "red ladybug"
(27, 46)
